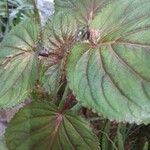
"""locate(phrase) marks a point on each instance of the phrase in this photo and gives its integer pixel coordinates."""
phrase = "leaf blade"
(18, 63)
(55, 131)
(116, 72)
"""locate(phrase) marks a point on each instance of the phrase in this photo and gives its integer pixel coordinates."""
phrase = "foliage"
(115, 72)
(12, 12)
(42, 122)
(17, 55)
(91, 56)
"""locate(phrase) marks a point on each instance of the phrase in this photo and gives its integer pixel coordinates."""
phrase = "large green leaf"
(113, 78)
(18, 63)
(42, 126)
(84, 10)
(59, 35)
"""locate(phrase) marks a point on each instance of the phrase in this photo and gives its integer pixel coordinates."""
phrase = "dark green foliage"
(91, 56)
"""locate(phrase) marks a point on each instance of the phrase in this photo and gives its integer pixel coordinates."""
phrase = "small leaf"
(18, 63)
(51, 79)
(59, 35)
(60, 32)
(41, 126)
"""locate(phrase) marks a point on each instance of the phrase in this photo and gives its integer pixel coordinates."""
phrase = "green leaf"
(18, 63)
(51, 79)
(59, 32)
(113, 79)
(122, 19)
(84, 10)
(59, 35)
(42, 126)
(100, 82)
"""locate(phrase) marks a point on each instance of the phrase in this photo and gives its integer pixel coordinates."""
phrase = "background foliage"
(90, 56)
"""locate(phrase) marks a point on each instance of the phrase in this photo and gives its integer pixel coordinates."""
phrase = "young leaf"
(51, 79)
(60, 32)
(113, 79)
(41, 126)
(59, 35)
(18, 63)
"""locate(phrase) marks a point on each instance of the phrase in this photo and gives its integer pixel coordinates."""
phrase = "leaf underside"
(40, 126)
(113, 79)
(18, 63)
